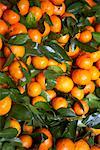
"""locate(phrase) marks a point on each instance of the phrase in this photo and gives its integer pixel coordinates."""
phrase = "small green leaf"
(43, 105)
(9, 60)
(46, 18)
(45, 95)
(57, 69)
(91, 141)
(4, 93)
(53, 36)
(8, 133)
(35, 3)
(51, 83)
(75, 7)
(85, 47)
(96, 36)
(4, 79)
(20, 112)
(8, 146)
(19, 39)
(50, 74)
(66, 112)
(31, 20)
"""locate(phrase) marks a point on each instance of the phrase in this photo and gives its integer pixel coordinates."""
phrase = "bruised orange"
(59, 102)
(11, 17)
(35, 35)
(26, 141)
(23, 6)
(79, 110)
(65, 144)
(77, 93)
(56, 27)
(40, 62)
(5, 105)
(81, 77)
(34, 89)
(38, 99)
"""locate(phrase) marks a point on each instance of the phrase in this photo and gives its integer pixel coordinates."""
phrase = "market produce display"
(49, 74)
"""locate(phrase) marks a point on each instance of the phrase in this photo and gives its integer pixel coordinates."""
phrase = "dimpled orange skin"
(64, 84)
(15, 124)
(40, 62)
(17, 28)
(47, 29)
(59, 10)
(81, 77)
(3, 27)
(95, 56)
(57, 2)
(15, 67)
(34, 89)
(95, 148)
(89, 88)
(5, 105)
(37, 12)
(81, 145)
(95, 73)
(47, 7)
(6, 51)
(11, 17)
(40, 78)
(38, 99)
(19, 51)
(26, 141)
(98, 64)
(28, 128)
(79, 110)
(73, 54)
(48, 142)
(85, 36)
(59, 102)
(84, 61)
(0, 43)
(52, 94)
(97, 27)
(23, 6)
(52, 62)
(77, 93)
(65, 144)
(56, 24)
(90, 28)
(64, 39)
(35, 35)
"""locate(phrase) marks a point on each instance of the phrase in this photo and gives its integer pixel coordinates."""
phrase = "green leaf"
(35, 3)
(91, 141)
(46, 18)
(70, 130)
(93, 101)
(45, 95)
(51, 83)
(50, 74)
(9, 60)
(8, 146)
(57, 69)
(97, 91)
(96, 36)
(75, 7)
(43, 105)
(2, 122)
(19, 39)
(6, 79)
(20, 112)
(41, 136)
(92, 120)
(4, 93)
(66, 112)
(53, 50)
(31, 20)
(85, 47)
(53, 36)
(8, 133)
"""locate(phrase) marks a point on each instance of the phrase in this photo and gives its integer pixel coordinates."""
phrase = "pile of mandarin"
(83, 79)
